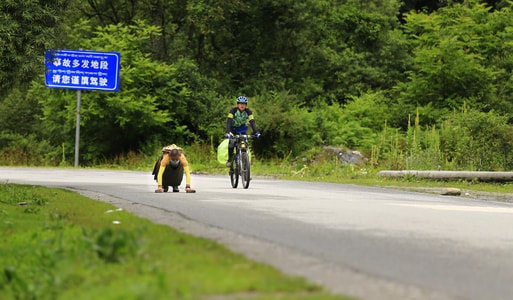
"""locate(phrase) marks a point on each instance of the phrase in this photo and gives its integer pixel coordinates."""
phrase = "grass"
(56, 244)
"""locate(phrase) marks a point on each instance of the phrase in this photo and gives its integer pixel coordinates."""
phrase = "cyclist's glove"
(228, 135)
(257, 135)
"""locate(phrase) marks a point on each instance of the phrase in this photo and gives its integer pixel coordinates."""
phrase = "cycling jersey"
(238, 121)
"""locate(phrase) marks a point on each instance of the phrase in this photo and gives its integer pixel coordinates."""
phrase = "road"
(368, 242)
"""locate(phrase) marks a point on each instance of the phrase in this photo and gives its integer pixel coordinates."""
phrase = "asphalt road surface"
(371, 243)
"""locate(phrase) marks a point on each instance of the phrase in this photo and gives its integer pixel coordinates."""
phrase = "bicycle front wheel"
(245, 170)
(234, 174)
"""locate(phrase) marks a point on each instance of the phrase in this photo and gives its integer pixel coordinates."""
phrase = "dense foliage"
(26, 28)
(343, 73)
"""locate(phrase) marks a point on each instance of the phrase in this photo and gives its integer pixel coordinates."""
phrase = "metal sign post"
(82, 70)
(77, 128)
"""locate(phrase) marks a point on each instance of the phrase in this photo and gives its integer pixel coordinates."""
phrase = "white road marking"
(488, 209)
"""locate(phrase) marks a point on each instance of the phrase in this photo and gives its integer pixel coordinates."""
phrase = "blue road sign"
(82, 70)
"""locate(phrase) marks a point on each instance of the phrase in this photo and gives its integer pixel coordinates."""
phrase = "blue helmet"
(242, 99)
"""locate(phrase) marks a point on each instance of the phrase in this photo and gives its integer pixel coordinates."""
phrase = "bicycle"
(240, 163)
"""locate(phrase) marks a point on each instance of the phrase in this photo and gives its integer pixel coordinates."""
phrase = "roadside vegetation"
(56, 244)
(409, 84)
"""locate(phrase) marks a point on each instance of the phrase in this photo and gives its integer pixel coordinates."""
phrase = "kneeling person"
(170, 172)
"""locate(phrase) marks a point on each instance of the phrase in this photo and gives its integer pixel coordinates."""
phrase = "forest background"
(410, 84)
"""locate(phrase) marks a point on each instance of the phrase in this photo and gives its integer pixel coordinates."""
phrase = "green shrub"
(287, 128)
(475, 140)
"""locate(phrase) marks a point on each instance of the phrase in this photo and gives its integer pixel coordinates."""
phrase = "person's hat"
(171, 147)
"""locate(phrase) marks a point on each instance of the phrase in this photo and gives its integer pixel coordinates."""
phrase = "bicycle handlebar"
(239, 136)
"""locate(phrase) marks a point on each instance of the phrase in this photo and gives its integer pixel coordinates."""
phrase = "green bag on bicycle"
(222, 151)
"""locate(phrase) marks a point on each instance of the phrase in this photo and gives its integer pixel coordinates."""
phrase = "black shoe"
(175, 189)
(166, 188)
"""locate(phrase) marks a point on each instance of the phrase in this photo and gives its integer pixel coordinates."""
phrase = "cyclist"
(169, 169)
(237, 123)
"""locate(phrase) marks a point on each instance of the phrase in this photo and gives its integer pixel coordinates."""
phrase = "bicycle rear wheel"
(245, 170)
(234, 173)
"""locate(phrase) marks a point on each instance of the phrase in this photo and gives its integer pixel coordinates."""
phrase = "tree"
(351, 48)
(312, 48)
(27, 28)
(148, 108)
(462, 55)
